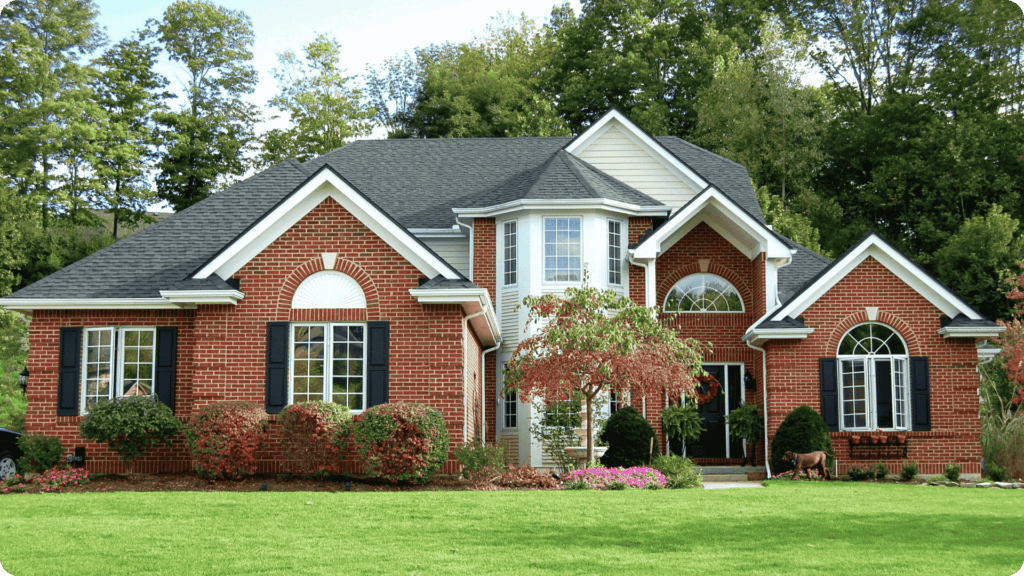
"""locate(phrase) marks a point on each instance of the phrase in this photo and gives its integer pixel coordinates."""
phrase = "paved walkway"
(721, 485)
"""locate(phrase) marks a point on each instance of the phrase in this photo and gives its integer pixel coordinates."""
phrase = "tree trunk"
(590, 429)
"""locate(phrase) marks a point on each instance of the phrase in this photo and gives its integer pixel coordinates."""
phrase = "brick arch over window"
(314, 265)
(890, 320)
(694, 268)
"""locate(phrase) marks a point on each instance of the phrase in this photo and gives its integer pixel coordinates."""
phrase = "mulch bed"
(190, 482)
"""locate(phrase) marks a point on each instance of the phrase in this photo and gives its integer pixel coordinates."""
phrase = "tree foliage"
(1012, 343)
(598, 342)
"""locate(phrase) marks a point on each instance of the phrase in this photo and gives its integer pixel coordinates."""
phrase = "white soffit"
(721, 213)
(324, 184)
(328, 289)
(902, 267)
(615, 118)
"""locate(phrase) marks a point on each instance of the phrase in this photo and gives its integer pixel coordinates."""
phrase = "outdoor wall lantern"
(749, 381)
(23, 381)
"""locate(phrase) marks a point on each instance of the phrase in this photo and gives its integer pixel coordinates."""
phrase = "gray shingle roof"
(806, 264)
(417, 182)
(442, 283)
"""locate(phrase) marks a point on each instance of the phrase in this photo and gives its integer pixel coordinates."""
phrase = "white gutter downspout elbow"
(647, 272)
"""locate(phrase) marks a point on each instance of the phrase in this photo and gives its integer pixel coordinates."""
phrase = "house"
(392, 271)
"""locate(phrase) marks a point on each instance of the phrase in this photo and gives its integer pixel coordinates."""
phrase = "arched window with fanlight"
(703, 293)
(874, 379)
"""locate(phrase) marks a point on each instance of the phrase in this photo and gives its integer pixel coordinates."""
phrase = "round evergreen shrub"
(40, 452)
(130, 425)
(628, 435)
(802, 431)
(225, 438)
(307, 434)
(399, 442)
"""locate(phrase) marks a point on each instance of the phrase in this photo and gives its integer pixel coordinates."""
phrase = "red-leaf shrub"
(307, 432)
(400, 442)
(527, 477)
(225, 438)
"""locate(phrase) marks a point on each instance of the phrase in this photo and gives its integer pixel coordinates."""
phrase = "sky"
(369, 31)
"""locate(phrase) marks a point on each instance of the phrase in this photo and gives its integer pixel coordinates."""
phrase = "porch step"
(732, 473)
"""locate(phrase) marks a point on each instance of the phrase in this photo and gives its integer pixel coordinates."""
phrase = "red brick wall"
(637, 275)
(474, 410)
(793, 378)
(485, 275)
(221, 349)
(723, 330)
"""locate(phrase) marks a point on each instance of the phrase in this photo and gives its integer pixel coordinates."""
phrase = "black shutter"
(829, 378)
(277, 366)
(920, 394)
(69, 371)
(166, 364)
(378, 339)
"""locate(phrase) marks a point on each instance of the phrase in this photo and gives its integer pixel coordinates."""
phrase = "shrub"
(953, 472)
(802, 431)
(41, 452)
(629, 439)
(307, 436)
(481, 460)
(937, 479)
(610, 478)
(679, 472)
(909, 471)
(527, 477)
(53, 480)
(881, 471)
(225, 437)
(996, 473)
(130, 425)
(1002, 441)
(857, 473)
(400, 441)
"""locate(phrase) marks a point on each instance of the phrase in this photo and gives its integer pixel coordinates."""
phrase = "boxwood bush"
(307, 434)
(802, 431)
(399, 442)
(130, 425)
(225, 438)
(679, 471)
(628, 435)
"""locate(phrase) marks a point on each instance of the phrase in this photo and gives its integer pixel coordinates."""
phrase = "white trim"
(777, 334)
(503, 247)
(901, 266)
(186, 297)
(473, 300)
(654, 148)
(574, 205)
(324, 184)
(623, 248)
(971, 331)
(453, 232)
(690, 215)
(87, 303)
(115, 374)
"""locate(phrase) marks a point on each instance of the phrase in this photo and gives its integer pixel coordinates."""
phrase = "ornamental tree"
(1012, 343)
(599, 342)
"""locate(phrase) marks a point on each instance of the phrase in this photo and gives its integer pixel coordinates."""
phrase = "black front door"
(714, 440)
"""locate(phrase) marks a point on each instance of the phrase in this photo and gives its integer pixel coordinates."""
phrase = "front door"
(714, 442)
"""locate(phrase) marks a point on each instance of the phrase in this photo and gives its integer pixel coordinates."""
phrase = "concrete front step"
(724, 478)
(732, 473)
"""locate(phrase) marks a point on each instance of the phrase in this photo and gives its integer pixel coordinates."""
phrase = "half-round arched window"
(329, 289)
(874, 379)
(703, 293)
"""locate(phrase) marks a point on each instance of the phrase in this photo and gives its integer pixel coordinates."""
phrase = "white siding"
(617, 154)
(510, 330)
(455, 251)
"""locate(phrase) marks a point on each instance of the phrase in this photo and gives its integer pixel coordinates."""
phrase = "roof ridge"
(601, 173)
(561, 154)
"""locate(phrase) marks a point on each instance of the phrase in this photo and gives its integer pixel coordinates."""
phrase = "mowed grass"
(786, 528)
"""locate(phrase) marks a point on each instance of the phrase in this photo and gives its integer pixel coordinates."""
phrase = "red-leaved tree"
(1012, 340)
(598, 342)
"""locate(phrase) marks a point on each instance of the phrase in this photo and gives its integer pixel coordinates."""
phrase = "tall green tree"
(130, 92)
(208, 138)
(324, 108)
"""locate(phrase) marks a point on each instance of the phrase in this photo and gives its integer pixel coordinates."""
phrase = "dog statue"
(807, 462)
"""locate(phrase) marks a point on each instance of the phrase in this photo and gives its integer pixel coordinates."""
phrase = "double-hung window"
(511, 252)
(329, 364)
(874, 379)
(614, 252)
(563, 254)
(117, 362)
(510, 409)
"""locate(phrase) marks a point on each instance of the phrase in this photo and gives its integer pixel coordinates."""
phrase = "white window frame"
(569, 270)
(328, 376)
(900, 374)
(743, 305)
(510, 411)
(615, 253)
(514, 246)
(115, 364)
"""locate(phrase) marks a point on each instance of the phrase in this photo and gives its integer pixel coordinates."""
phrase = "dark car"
(9, 452)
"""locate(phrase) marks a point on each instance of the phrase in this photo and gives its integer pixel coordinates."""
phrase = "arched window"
(703, 293)
(874, 381)
(329, 289)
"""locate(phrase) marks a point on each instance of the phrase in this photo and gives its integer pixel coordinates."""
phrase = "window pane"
(703, 293)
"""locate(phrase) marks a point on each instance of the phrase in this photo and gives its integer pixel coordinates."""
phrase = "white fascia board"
(575, 205)
(323, 185)
(714, 199)
(652, 146)
(972, 332)
(901, 266)
(454, 232)
(187, 297)
(778, 334)
(472, 300)
(87, 304)
(987, 353)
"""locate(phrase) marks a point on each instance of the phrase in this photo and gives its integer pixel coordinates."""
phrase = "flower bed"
(53, 480)
(615, 478)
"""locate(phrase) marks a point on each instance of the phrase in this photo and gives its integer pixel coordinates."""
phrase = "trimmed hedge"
(41, 452)
(307, 434)
(802, 431)
(399, 442)
(225, 438)
(130, 425)
(628, 435)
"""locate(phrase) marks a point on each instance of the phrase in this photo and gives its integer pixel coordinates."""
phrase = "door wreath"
(713, 387)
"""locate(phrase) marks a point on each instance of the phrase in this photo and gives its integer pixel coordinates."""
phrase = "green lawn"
(798, 528)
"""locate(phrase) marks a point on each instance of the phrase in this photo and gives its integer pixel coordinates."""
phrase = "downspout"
(483, 377)
(472, 248)
(764, 389)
